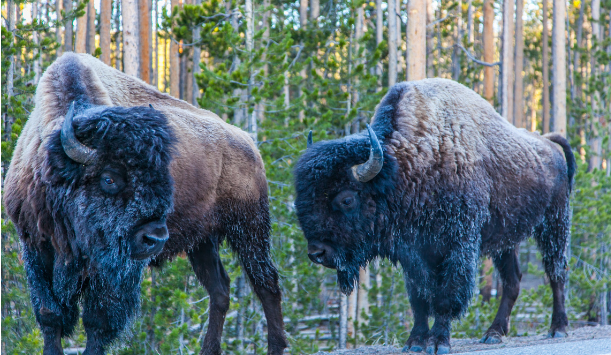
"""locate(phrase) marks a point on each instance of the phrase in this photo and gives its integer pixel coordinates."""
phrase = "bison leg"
(454, 289)
(55, 320)
(420, 332)
(552, 240)
(508, 265)
(211, 274)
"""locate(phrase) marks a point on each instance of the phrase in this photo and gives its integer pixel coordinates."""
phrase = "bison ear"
(310, 141)
(74, 149)
(369, 169)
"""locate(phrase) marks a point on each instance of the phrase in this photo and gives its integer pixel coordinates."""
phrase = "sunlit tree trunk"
(545, 59)
(118, 37)
(314, 9)
(416, 40)
(458, 34)
(105, 16)
(144, 15)
(81, 33)
(518, 97)
(430, 17)
(68, 33)
(197, 55)
(10, 74)
(343, 320)
(559, 68)
(595, 140)
(363, 296)
(507, 59)
(379, 39)
(91, 15)
(36, 41)
(470, 36)
(392, 43)
(131, 58)
(174, 62)
(489, 50)
(59, 33)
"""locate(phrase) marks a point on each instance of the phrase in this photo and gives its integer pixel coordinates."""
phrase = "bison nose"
(316, 251)
(149, 240)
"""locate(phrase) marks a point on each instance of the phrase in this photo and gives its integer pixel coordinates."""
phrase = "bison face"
(110, 185)
(340, 203)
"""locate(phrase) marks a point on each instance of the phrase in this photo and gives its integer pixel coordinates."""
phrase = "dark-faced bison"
(101, 185)
(438, 180)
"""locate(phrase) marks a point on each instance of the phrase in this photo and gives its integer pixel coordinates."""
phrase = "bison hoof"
(437, 347)
(491, 337)
(557, 334)
(414, 348)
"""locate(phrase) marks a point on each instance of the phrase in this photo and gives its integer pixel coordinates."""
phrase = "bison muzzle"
(436, 181)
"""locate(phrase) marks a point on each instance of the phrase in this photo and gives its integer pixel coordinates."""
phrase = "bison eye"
(346, 201)
(111, 182)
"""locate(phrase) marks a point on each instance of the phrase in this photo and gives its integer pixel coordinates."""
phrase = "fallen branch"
(438, 21)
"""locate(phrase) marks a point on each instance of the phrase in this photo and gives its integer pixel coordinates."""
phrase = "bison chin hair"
(348, 267)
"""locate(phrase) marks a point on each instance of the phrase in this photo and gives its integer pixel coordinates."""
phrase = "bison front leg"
(207, 266)
(55, 320)
(508, 265)
(419, 334)
(454, 289)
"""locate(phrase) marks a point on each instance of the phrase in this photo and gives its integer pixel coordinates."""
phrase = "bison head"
(109, 186)
(341, 202)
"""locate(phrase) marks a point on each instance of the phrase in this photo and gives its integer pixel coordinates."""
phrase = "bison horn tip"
(310, 141)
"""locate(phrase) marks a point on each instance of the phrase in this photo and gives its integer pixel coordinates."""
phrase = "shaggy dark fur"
(436, 215)
(191, 171)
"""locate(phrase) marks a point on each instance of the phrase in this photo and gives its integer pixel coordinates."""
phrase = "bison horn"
(369, 169)
(76, 150)
(310, 141)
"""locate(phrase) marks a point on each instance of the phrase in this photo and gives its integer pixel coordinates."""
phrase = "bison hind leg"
(552, 237)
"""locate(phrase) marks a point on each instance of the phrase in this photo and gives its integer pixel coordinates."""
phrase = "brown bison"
(438, 180)
(110, 175)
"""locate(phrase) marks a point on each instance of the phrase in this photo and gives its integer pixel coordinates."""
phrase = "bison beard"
(101, 188)
(457, 181)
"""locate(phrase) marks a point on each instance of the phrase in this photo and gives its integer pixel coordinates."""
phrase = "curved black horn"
(310, 141)
(76, 150)
(369, 169)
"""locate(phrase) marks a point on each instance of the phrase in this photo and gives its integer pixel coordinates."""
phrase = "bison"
(109, 176)
(436, 181)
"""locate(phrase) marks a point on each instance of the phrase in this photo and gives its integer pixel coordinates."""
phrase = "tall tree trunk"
(250, 46)
(595, 136)
(518, 96)
(392, 43)
(91, 27)
(457, 39)
(155, 43)
(68, 33)
(343, 320)
(352, 306)
(174, 61)
(105, 16)
(240, 290)
(197, 55)
(81, 33)
(131, 58)
(10, 74)
(559, 68)
(576, 92)
(507, 59)
(430, 17)
(489, 50)
(36, 40)
(118, 37)
(545, 59)
(59, 33)
(379, 39)
(486, 290)
(470, 36)
(314, 9)
(416, 40)
(145, 39)
(303, 13)
(363, 296)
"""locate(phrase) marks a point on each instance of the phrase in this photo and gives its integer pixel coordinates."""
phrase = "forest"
(278, 69)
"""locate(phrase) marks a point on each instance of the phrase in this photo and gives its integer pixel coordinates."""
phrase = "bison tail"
(568, 154)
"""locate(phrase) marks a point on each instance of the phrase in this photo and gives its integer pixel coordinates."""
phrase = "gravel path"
(581, 341)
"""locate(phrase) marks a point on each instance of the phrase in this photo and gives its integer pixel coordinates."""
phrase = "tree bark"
(36, 41)
(144, 41)
(10, 74)
(379, 39)
(174, 61)
(559, 68)
(507, 59)
(486, 291)
(250, 46)
(489, 50)
(81, 33)
(470, 36)
(430, 17)
(456, 68)
(91, 15)
(363, 296)
(303, 13)
(343, 320)
(68, 33)
(576, 87)
(197, 55)
(131, 58)
(595, 161)
(416, 40)
(545, 59)
(105, 16)
(518, 96)
(314, 9)
(59, 33)
(392, 43)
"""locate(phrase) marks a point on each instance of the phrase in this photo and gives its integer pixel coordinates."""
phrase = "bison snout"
(149, 240)
(320, 253)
